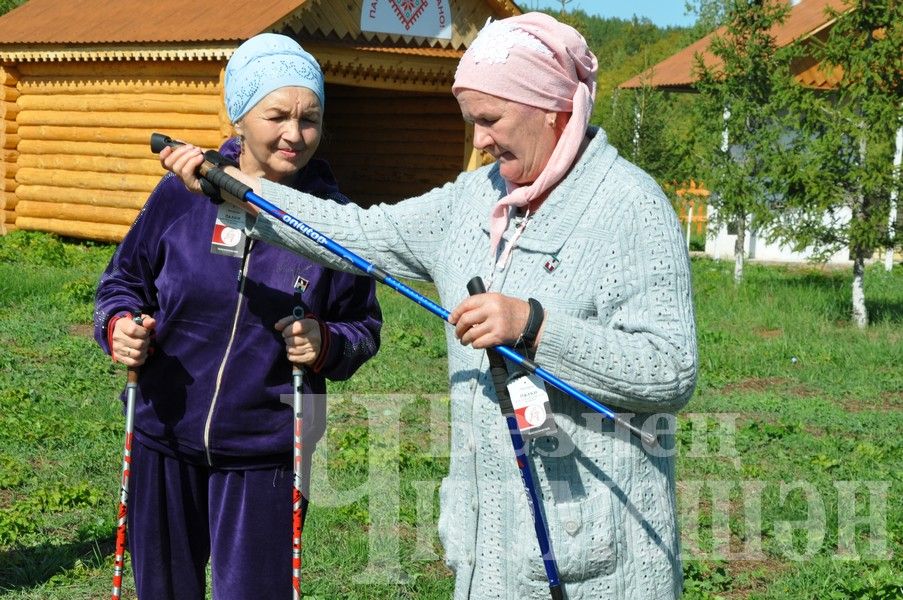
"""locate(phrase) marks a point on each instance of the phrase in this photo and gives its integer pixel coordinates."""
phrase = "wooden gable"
(340, 20)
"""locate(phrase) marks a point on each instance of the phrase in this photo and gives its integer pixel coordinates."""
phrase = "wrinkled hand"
(490, 319)
(184, 162)
(302, 339)
(132, 341)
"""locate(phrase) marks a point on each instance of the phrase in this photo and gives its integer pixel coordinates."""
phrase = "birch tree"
(640, 123)
(735, 121)
(837, 179)
(709, 13)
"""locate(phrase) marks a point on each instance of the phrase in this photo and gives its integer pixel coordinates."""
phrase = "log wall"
(76, 159)
(386, 145)
(82, 164)
(9, 140)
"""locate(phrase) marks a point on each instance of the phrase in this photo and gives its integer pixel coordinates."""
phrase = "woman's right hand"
(130, 341)
(184, 162)
(303, 342)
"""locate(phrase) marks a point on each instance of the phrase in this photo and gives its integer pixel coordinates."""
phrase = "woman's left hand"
(490, 319)
(302, 339)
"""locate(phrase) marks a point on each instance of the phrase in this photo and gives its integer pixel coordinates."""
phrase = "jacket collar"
(560, 213)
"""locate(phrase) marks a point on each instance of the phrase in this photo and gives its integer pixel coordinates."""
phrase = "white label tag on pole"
(228, 231)
(531, 405)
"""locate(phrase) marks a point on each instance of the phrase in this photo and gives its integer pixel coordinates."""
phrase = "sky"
(660, 12)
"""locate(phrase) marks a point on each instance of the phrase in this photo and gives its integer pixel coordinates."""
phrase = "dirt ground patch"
(757, 384)
(768, 334)
(6, 498)
(82, 330)
(763, 384)
(754, 574)
(883, 402)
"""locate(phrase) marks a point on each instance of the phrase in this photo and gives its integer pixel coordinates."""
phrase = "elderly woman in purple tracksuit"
(211, 467)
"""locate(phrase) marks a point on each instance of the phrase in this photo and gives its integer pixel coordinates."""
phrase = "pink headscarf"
(535, 60)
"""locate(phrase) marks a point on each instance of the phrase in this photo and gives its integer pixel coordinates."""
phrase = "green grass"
(796, 414)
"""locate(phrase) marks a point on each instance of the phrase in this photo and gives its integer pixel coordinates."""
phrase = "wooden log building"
(85, 83)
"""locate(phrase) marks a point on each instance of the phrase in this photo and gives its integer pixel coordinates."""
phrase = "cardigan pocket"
(582, 535)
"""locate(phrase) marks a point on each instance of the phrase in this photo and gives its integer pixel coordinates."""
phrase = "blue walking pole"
(219, 178)
(499, 373)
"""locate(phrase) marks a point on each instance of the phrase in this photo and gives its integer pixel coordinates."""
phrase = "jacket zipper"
(242, 273)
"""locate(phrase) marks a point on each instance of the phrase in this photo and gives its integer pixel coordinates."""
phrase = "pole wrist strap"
(534, 322)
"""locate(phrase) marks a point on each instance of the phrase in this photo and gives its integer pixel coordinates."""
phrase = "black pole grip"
(475, 286)
(225, 182)
(160, 141)
(209, 170)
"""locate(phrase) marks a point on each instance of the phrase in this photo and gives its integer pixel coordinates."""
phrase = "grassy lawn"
(789, 454)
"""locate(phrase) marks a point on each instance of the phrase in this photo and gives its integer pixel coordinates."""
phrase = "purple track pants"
(182, 515)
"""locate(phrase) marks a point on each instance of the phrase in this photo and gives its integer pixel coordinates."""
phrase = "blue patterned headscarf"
(264, 63)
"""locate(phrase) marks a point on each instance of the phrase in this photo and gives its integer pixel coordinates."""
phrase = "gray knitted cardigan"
(619, 327)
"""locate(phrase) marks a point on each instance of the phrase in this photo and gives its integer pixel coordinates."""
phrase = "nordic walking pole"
(131, 391)
(297, 526)
(499, 373)
(219, 178)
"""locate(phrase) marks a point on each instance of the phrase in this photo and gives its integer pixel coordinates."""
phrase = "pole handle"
(211, 169)
(476, 286)
(498, 371)
(159, 141)
(298, 314)
(132, 373)
(223, 180)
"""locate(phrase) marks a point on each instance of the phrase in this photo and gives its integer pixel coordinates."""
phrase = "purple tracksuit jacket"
(211, 393)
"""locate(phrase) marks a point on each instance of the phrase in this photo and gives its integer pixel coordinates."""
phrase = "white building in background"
(720, 245)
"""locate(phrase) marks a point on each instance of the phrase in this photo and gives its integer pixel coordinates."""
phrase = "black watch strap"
(534, 322)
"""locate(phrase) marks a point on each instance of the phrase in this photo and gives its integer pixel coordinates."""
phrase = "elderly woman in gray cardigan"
(596, 242)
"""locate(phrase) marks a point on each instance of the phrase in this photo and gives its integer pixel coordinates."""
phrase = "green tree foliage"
(8, 5)
(709, 13)
(836, 175)
(646, 126)
(735, 118)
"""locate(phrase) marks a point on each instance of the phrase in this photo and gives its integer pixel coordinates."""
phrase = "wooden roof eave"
(385, 69)
(104, 52)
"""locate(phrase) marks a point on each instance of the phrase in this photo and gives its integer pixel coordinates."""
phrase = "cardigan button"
(572, 527)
